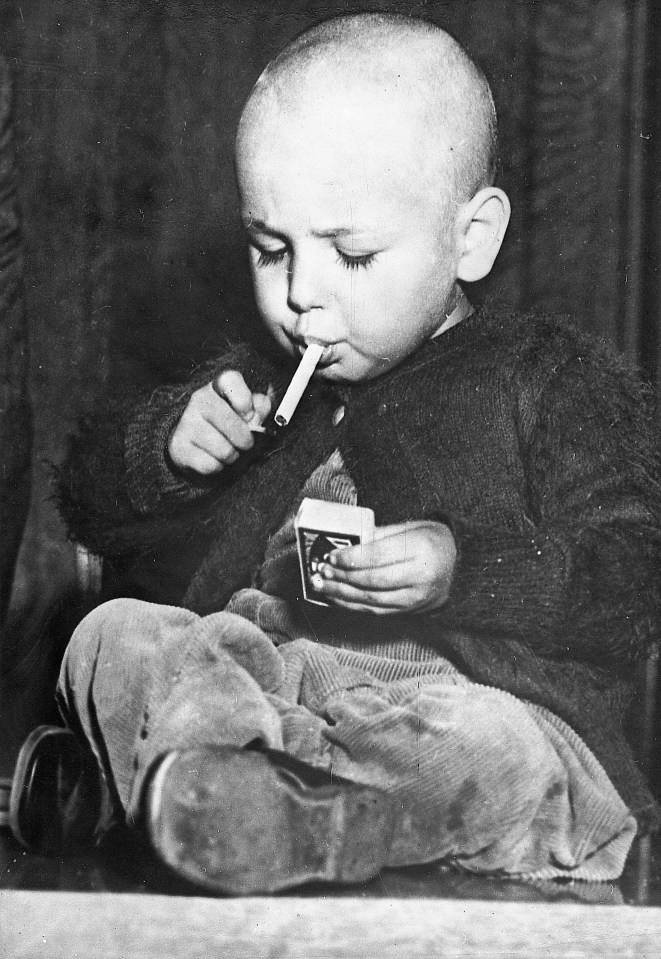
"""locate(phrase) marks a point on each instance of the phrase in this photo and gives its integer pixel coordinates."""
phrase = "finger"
(220, 416)
(262, 406)
(343, 594)
(387, 551)
(394, 576)
(199, 461)
(215, 444)
(231, 386)
(362, 608)
(398, 543)
(394, 529)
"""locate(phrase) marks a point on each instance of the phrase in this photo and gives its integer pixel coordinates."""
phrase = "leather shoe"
(57, 794)
(243, 821)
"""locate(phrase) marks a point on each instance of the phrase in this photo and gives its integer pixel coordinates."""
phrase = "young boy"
(461, 697)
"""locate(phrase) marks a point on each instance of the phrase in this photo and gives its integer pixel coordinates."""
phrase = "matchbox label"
(314, 548)
(322, 527)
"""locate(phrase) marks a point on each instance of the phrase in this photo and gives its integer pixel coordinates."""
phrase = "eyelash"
(355, 262)
(272, 257)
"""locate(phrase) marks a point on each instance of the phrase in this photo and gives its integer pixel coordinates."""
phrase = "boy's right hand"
(215, 426)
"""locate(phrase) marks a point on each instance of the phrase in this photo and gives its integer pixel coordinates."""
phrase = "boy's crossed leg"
(474, 775)
(138, 680)
(480, 778)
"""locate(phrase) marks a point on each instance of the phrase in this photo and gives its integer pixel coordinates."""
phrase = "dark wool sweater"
(533, 443)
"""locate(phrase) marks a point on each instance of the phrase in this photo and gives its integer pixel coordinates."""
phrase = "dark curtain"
(15, 412)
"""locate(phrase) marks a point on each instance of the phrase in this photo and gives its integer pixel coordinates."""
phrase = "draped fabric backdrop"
(15, 413)
(125, 114)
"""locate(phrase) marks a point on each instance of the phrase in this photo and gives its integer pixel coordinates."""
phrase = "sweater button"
(338, 415)
(382, 409)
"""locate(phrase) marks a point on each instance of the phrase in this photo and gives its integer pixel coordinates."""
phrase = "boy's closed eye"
(354, 261)
(272, 257)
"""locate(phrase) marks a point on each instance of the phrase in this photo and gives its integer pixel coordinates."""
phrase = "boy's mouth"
(327, 357)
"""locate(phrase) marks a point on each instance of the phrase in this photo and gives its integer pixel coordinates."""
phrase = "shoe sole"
(22, 780)
(236, 822)
(35, 816)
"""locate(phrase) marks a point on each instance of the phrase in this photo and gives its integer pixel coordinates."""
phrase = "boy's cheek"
(271, 300)
(276, 329)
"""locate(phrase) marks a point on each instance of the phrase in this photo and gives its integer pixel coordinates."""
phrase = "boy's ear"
(481, 224)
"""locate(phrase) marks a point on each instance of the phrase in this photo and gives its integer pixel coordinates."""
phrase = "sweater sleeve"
(152, 483)
(583, 579)
(116, 489)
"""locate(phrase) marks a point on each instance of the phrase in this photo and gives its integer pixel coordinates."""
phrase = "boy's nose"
(306, 325)
(304, 291)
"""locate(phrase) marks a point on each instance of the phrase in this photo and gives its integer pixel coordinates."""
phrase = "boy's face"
(352, 239)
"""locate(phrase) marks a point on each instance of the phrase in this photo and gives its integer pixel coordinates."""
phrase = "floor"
(121, 867)
(118, 903)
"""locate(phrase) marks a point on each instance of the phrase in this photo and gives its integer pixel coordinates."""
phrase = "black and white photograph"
(330, 479)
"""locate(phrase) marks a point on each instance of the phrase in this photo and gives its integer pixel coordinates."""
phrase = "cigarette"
(299, 381)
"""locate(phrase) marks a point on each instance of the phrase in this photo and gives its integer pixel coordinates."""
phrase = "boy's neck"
(461, 310)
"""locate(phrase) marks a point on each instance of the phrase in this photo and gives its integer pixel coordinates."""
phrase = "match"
(262, 430)
(300, 380)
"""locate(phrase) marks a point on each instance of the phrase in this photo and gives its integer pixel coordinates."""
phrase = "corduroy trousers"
(484, 780)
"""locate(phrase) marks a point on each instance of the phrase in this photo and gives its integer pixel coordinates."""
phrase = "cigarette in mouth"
(299, 381)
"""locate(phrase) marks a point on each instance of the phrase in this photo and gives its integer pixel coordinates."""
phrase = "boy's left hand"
(408, 567)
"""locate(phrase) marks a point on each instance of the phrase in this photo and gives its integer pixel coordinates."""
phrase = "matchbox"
(322, 527)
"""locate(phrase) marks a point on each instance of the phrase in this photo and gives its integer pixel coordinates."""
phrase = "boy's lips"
(328, 355)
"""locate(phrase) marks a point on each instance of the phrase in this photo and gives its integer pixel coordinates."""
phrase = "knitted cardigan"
(532, 442)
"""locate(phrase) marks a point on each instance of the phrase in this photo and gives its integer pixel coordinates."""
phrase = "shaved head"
(378, 80)
(364, 162)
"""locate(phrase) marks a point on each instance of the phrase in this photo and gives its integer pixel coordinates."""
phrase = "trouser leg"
(480, 778)
(138, 680)
(469, 770)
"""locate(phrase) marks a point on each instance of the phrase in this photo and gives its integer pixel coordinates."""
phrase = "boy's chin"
(329, 375)
(346, 375)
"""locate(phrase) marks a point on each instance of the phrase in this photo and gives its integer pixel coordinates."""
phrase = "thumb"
(262, 407)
